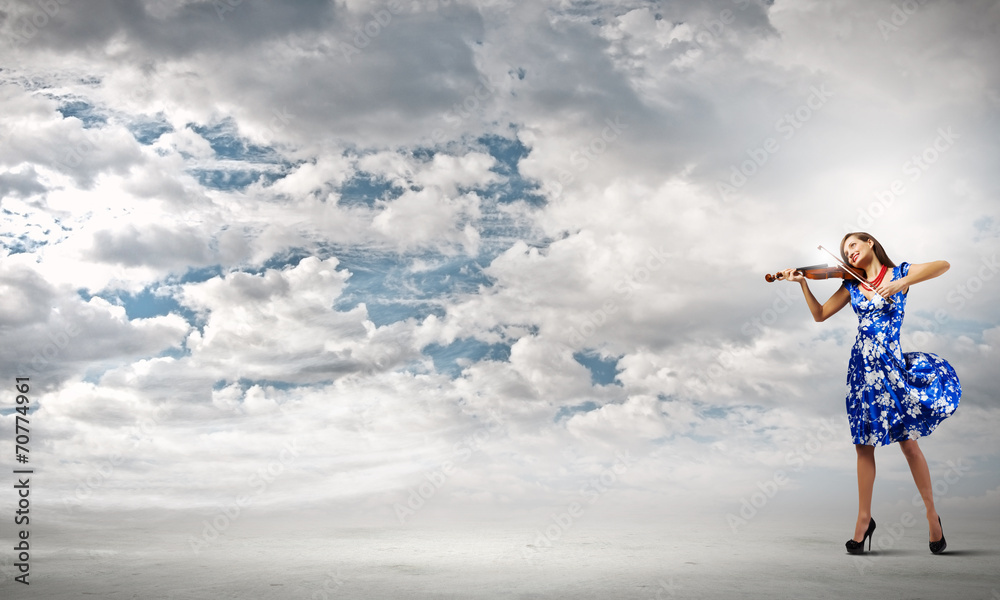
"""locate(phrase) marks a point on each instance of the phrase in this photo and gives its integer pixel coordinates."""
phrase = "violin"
(840, 271)
(821, 272)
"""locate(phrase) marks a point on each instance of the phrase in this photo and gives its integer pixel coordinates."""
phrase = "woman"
(892, 396)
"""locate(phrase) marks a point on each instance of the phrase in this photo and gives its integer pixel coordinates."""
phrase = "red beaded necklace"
(878, 279)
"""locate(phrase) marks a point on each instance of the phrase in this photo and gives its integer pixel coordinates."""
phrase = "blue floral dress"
(893, 395)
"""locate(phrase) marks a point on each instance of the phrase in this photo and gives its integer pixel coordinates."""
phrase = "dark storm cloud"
(161, 29)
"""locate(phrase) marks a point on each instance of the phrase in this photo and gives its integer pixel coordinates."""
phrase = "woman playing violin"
(892, 396)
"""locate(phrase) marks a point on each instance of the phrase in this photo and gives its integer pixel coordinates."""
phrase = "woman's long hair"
(877, 247)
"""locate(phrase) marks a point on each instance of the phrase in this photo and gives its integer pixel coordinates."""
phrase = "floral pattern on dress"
(893, 395)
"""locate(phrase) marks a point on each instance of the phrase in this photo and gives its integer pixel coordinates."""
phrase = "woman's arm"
(916, 274)
(820, 312)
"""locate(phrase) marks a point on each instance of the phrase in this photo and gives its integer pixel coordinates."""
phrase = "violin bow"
(864, 283)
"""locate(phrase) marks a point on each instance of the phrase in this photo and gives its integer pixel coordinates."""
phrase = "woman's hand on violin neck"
(792, 275)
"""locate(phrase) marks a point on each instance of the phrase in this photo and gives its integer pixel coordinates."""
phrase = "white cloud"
(279, 325)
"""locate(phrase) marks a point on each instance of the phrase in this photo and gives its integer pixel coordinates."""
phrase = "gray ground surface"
(775, 560)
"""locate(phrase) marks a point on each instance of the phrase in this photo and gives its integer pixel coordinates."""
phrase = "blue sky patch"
(233, 179)
(20, 244)
(224, 139)
(715, 412)
(87, 114)
(145, 304)
(392, 291)
(147, 130)
(424, 154)
(603, 371)
(448, 359)
(365, 189)
(246, 384)
(566, 412)
(380, 283)
(508, 154)
(253, 163)
(201, 274)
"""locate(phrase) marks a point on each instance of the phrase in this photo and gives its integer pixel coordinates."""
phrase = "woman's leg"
(866, 484)
(922, 477)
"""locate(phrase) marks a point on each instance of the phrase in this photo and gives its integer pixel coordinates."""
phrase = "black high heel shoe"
(939, 546)
(859, 547)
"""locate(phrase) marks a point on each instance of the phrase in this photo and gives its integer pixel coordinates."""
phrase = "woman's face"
(858, 252)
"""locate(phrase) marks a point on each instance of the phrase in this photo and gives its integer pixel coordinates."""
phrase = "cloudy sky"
(408, 261)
